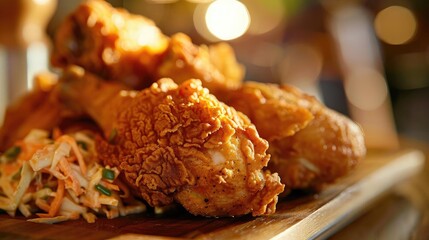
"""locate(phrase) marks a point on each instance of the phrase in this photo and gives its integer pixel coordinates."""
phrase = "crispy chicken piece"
(216, 65)
(307, 152)
(179, 143)
(111, 43)
(120, 46)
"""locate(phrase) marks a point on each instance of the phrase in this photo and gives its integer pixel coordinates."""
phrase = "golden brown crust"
(111, 43)
(179, 143)
(273, 113)
(128, 48)
(310, 144)
(215, 66)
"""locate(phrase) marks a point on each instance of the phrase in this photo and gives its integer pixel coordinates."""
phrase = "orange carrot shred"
(56, 203)
(76, 151)
(42, 205)
(71, 159)
(110, 185)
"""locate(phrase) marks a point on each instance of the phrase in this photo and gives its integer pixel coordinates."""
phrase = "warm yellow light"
(41, 2)
(199, 1)
(227, 19)
(162, 1)
(366, 88)
(266, 15)
(395, 25)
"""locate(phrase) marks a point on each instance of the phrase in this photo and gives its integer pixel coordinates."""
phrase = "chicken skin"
(119, 46)
(111, 43)
(179, 143)
(310, 145)
(215, 65)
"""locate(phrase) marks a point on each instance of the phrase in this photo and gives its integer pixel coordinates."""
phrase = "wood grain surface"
(299, 216)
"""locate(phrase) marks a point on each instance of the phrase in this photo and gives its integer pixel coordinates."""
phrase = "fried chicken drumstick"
(117, 45)
(310, 145)
(179, 143)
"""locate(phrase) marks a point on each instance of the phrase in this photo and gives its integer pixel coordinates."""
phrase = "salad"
(56, 177)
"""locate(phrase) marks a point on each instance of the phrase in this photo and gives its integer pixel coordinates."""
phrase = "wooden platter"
(299, 216)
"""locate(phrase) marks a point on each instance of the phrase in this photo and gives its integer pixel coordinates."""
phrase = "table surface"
(401, 214)
(300, 216)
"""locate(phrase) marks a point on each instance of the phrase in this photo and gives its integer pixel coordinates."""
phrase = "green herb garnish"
(108, 174)
(10, 154)
(102, 189)
(82, 145)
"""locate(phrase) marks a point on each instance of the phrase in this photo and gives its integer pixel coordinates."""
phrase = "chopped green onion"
(102, 189)
(113, 135)
(12, 152)
(108, 174)
(82, 145)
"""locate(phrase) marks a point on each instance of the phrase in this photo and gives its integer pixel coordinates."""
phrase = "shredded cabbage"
(33, 179)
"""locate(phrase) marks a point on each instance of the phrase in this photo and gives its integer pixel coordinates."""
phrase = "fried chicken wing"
(216, 65)
(179, 143)
(310, 144)
(120, 46)
(111, 43)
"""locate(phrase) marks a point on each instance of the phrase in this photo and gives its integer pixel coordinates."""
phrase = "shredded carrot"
(110, 185)
(68, 175)
(56, 203)
(76, 151)
(42, 205)
(71, 159)
(70, 181)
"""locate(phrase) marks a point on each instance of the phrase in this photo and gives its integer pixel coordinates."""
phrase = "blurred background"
(368, 59)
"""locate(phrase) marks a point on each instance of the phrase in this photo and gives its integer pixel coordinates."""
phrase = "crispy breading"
(310, 144)
(179, 143)
(129, 48)
(274, 115)
(111, 43)
(215, 66)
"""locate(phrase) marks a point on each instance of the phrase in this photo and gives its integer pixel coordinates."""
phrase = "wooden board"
(300, 216)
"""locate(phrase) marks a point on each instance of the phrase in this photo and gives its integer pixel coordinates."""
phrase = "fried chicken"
(310, 144)
(216, 65)
(179, 143)
(111, 43)
(120, 46)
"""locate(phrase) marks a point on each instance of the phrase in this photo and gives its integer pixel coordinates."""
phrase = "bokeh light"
(161, 1)
(366, 88)
(227, 19)
(266, 15)
(395, 25)
(301, 67)
(41, 2)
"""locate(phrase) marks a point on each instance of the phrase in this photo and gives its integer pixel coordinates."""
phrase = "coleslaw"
(58, 178)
